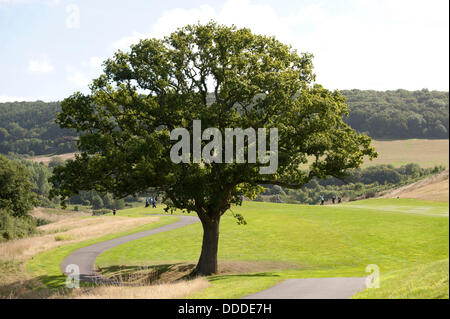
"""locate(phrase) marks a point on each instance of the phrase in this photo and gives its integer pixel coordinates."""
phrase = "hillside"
(30, 128)
(399, 114)
(425, 152)
(433, 188)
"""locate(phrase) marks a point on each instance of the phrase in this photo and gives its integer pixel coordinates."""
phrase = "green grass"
(46, 265)
(428, 281)
(322, 241)
(403, 205)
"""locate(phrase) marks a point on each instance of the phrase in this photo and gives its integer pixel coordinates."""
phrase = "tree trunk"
(207, 264)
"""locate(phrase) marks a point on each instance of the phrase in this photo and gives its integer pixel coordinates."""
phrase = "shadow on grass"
(148, 275)
(166, 273)
(262, 274)
(36, 288)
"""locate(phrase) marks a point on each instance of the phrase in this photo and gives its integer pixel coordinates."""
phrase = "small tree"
(227, 78)
(96, 202)
(16, 196)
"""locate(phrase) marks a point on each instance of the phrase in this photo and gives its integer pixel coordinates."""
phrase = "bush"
(63, 237)
(100, 212)
(75, 208)
(41, 221)
(119, 204)
(15, 227)
(97, 202)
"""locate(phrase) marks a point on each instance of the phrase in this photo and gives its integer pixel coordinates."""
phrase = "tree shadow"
(147, 275)
(41, 287)
(262, 274)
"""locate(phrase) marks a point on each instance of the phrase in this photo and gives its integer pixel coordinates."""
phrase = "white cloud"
(39, 66)
(398, 44)
(124, 43)
(73, 16)
(95, 62)
(76, 77)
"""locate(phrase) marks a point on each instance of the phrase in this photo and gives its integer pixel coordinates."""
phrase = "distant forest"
(399, 114)
(30, 128)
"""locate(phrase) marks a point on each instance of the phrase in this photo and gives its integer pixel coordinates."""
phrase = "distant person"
(339, 200)
(146, 202)
(333, 199)
(114, 212)
(322, 200)
(154, 202)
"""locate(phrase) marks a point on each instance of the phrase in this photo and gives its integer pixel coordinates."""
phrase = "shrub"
(100, 212)
(42, 221)
(75, 208)
(63, 237)
(97, 202)
(15, 227)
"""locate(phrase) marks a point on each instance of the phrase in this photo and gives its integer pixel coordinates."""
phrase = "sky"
(50, 49)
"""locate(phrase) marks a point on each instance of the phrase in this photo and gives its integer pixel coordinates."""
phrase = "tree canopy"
(16, 196)
(255, 82)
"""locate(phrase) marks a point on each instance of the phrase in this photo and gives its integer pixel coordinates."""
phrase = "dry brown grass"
(26, 289)
(46, 159)
(174, 272)
(39, 212)
(426, 153)
(435, 188)
(74, 228)
(70, 226)
(176, 290)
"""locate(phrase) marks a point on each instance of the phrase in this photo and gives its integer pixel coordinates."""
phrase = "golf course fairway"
(399, 236)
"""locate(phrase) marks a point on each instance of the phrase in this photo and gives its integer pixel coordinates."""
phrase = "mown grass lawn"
(315, 241)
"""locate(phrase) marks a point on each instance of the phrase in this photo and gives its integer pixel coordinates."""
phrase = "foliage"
(99, 212)
(30, 128)
(15, 227)
(15, 188)
(124, 124)
(399, 114)
(359, 183)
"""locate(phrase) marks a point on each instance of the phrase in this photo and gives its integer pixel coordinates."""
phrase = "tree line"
(30, 128)
(399, 114)
(360, 183)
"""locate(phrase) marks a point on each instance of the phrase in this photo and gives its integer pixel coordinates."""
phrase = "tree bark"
(207, 264)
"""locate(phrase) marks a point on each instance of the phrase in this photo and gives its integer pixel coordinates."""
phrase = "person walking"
(114, 212)
(322, 200)
(333, 199)
(339, 199)
(154, 202)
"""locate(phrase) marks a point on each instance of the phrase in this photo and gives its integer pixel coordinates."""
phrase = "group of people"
(333, 199)
(151, 201)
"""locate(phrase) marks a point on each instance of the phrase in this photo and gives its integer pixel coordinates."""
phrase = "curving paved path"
(85, 257)
(309, 288)
(313, 288)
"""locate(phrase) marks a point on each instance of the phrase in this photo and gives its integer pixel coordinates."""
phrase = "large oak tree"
(227, 78)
